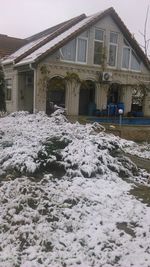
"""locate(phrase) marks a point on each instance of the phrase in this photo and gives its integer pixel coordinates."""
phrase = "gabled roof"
(9, 44)
(41, 39)
(54, 38)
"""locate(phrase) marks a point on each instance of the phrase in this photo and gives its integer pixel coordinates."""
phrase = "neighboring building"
(9, 45)
(84, 64)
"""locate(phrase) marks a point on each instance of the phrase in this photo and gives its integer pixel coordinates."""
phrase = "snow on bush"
(80, 213)
(30, 144)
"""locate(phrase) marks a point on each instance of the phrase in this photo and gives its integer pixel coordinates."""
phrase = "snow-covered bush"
(36, 143)
(74, 208)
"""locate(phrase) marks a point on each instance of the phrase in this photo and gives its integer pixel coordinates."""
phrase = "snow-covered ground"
(65, 200)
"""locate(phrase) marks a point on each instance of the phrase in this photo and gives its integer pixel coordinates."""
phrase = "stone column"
(126, 98)
(146, 104)
(72, 97)
(101, 95)
(35, 109)
(15, 93)
(39, 99)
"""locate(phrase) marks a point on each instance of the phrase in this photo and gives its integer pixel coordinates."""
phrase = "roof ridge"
(53, 35)
(38, 35)
(94, 18)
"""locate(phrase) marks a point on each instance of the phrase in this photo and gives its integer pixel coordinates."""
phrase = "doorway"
(87, 98)
(56, 94)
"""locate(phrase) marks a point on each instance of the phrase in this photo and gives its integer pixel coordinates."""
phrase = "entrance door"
(114, 94)
(87, 98)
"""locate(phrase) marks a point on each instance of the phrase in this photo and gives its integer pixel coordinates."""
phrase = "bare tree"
(146, 39)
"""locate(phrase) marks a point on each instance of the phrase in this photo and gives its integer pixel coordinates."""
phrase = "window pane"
(84, 34)
(98, 53)
(135, 62)
(126, 58)
(113, 38)
(112, 55)
(8, 89)
(69, 51)
(99, 35)
(8, 82)
(125, 42)
(82, 47)
(8, 94)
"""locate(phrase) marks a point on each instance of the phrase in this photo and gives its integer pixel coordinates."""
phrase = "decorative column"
(126, 98)
(146, 104)
(72, 97)
(40, 85)
(35, 93)
(15, 93)
(101, 95)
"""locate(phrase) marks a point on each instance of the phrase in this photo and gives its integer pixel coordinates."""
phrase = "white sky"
(23, 18)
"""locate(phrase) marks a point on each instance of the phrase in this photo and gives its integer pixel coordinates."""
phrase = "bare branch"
(141, 33)
(142, 45)
(145, 46)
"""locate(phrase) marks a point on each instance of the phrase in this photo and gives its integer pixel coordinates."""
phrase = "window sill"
(73, 62)
(136, 71)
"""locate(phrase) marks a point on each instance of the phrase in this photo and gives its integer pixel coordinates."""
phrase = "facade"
(89, 65)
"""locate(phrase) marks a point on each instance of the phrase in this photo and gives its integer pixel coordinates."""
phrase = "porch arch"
(56, 93)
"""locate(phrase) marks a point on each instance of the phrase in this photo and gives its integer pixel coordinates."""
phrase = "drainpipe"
(34, 91)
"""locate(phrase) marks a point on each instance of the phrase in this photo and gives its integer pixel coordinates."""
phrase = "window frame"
(66, 60)
(137, 58)
(130, 58)
(100, 41)
(127, 47)
(76, 50)
(116, 45)
(8, 87)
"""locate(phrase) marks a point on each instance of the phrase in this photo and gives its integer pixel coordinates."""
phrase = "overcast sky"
(23, 18)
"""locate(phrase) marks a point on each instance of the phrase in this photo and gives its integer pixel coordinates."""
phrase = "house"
(8, 44)
(87, 64)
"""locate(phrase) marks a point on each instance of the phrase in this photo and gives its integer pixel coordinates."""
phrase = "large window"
(8, 89)
(81, 50)
(69, 51)
(76, 50)
(126, 58)
(98, 46)
(113, 46)
(130, 61)
(135, 62)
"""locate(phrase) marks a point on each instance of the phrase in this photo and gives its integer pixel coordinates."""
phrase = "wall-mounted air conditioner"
(107, 76)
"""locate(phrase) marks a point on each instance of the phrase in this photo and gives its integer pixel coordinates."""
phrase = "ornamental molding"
(92, 72)
(76, 68)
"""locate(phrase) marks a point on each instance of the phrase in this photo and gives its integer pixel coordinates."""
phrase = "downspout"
(34, 91)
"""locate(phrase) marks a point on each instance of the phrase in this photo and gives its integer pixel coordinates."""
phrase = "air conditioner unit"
(107, 76)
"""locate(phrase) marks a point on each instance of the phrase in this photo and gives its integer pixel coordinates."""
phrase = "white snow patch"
(85, 218)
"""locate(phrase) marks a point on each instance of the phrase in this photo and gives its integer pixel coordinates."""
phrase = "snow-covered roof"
(40, 39)
(22, 50)
(49, 43)
(56, 41)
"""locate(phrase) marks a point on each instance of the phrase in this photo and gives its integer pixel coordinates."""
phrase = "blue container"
(112, 109)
